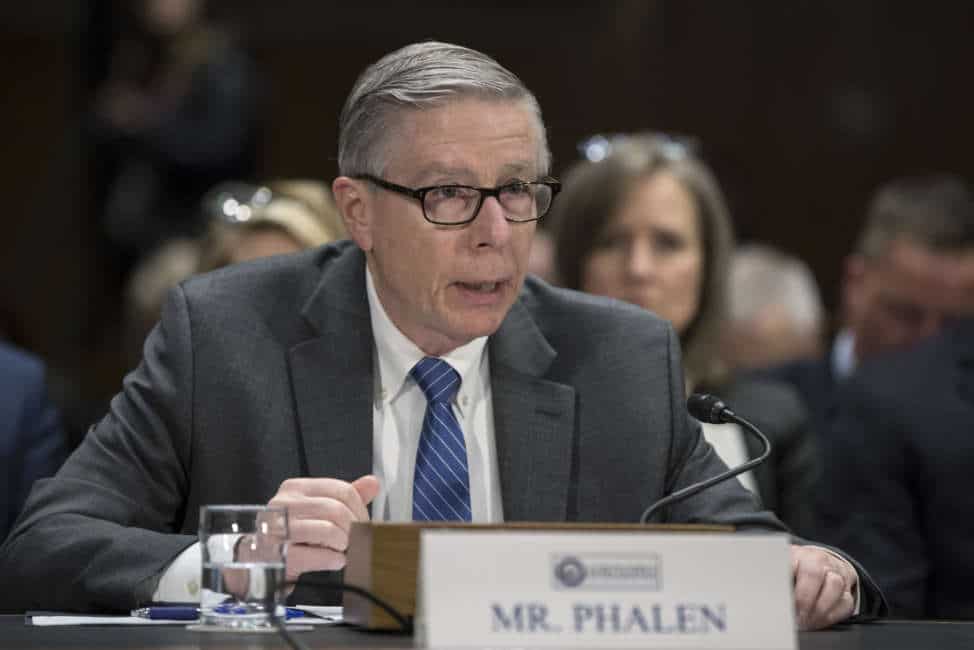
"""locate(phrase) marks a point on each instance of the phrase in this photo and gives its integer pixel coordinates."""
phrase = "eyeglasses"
(456, 205)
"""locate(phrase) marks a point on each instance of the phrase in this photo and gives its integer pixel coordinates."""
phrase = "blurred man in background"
(775, 310)
(912, 272)
(900, 465)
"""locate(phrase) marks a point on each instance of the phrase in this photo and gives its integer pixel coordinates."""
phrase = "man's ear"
(354, 204)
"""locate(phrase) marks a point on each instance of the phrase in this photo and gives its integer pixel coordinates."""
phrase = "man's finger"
(301, 508)
(302, 558)
(809, 579)
(321, 487)
(819, 615)
(319, 532)
(303, 490)
(367, 487)
(345, 493)
(843, 609)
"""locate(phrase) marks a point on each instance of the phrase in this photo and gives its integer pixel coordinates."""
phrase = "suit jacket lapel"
(534, 422)
(331, 374)
(332, 381)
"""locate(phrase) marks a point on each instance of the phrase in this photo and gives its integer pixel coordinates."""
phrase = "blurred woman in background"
(644, 221)
(248, 222)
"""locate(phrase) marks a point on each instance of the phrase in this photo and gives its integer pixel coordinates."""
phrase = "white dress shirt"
(728, 441)
(398, 409)
(843, 357)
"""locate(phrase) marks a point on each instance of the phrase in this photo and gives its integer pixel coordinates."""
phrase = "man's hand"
(320, 516)
(825, 587)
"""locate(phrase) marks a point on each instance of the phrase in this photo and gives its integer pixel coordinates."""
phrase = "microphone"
(710, 408)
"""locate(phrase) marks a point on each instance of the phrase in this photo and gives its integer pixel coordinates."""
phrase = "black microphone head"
(707, 408)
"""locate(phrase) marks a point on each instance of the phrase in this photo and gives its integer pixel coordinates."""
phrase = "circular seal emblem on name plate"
(570, 571)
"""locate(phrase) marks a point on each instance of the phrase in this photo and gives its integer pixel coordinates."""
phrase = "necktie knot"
(438, 380)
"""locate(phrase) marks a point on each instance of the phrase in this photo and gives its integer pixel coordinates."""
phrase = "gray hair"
(936, 212)
(762, 277)
(419, 76)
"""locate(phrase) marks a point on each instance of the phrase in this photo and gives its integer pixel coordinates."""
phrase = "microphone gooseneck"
(711, 409)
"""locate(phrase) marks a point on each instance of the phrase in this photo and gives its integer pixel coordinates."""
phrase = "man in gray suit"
(304, 380)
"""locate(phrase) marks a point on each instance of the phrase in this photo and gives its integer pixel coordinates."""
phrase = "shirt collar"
(397, 355)
(844, 354)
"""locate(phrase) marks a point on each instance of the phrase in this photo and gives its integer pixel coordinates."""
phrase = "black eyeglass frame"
(420, 193)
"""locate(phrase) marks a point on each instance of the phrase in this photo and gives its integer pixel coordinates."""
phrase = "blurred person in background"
(912, 271)
(647, 223)
(175, 113)
(542, 260)
(32, 443)
(246, 222)
(171, 108)
(281, 217)
(900, 474)
(775, 310)
(150, 281)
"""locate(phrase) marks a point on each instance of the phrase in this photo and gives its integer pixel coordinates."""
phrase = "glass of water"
(244, 552)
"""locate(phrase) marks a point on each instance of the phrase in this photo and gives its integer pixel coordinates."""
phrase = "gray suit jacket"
(262, 372)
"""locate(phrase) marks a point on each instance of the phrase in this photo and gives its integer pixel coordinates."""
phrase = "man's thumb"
(367, 487)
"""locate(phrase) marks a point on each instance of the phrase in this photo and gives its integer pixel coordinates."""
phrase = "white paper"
(82, 619)
(325, 614)
(320, 616)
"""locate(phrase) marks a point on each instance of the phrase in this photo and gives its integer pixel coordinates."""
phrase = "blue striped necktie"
(441, 484)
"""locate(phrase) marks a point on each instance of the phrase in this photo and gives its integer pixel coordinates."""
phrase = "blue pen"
(189, 613)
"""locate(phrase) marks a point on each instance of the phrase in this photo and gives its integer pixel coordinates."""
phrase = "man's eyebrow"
(517, 168)
(466, 176)
(455, 174)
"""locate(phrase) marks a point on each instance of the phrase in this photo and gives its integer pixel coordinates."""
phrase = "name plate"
(605, 589)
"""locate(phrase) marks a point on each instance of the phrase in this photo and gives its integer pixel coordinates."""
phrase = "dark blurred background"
(802, 108)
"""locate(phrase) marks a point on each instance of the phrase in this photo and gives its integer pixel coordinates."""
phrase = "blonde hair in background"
(150, 282)
(303, 210)
(316, 196)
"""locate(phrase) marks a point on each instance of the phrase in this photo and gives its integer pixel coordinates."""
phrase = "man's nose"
(490, 226)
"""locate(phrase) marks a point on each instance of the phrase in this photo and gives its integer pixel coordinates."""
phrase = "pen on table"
(188, 613)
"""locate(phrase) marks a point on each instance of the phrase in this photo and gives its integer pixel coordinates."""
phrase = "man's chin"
(486, 329)
(471, 326)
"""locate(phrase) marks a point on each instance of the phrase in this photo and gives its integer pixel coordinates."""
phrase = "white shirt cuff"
(180, 582)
